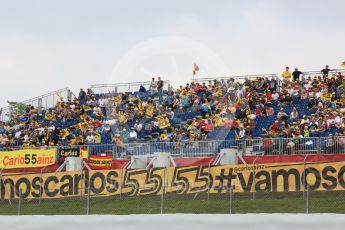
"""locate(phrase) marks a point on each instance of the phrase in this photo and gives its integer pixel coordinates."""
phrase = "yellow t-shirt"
(164, 137)
(149, 110)
(286, 75)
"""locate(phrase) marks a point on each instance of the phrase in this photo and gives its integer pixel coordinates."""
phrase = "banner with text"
(28, 158)
(100, 162)
(289, 177)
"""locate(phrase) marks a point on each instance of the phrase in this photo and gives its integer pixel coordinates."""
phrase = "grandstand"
(122, 131)
(231, 108)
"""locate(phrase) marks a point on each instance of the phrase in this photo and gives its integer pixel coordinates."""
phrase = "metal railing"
(292, 146)
(238, 78)
(125, 87)
(331, 73)
(176, 149)
(242, 78)
(42, 102)
(262, 146)
(245, 147)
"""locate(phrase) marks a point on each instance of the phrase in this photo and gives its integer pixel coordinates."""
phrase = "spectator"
(133, 136)
(153, 87)
(142, 89)
(325, 71)
(296, 74)
(294, 114)
(286, 75)
(82, 96)
(160, 85)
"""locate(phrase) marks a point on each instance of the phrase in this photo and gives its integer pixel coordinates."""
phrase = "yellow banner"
(29, 158)
(290, 177)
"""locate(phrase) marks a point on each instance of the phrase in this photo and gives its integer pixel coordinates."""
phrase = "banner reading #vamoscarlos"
(291, 177)
(28, 158)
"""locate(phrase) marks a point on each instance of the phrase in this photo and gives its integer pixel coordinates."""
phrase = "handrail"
(124, 84)
(125, 87)
(332, 71)
(235, 77)
(39, 97)
(43, 101)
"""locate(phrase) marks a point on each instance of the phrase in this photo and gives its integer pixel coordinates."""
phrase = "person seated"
(133, 136)
(282, 115)
(142, 89)
(164, 137)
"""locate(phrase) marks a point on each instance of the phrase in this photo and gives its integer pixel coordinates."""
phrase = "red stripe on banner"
(51, 168)
(293, 158)
(205, 161)
(202, 161)
(119, 164)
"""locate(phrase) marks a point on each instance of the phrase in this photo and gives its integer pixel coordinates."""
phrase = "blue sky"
(47, 45)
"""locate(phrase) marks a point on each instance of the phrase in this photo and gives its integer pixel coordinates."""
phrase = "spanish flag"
(196, 68)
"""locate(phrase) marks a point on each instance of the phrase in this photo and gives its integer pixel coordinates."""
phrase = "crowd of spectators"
(297, 106)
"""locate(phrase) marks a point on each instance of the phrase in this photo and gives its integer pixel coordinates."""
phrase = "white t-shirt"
(275, 96)
(133, 134)
(138, 127)
(17, 135)
(26, 137)
(102, 102)
(97, 110)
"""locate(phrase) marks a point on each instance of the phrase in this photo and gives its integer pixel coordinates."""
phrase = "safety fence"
(42, 102)
(246, 147)
(227, 202)
(332, 73)
(262, 146)
(125, 87)
(242, 78)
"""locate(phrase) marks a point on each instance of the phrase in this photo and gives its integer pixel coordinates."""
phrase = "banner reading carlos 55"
(293, 177)
(29, 158)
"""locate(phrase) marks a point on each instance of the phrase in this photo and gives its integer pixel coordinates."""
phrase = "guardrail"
(265, 146)
(241, 78)
(125, 87)
(262, 146)
(42, 102)
(331, 73)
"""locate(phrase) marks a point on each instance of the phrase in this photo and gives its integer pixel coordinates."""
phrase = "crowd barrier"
(261, 146)
(246, 147)
(125, 87)
(41, 103)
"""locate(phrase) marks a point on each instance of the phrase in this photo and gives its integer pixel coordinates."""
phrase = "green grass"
(319, 202)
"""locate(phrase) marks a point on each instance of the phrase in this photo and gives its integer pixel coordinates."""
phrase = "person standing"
(325, 71)
(82, 97)
(286, 75)
(160, 85)
(153, 86)
(296, 74)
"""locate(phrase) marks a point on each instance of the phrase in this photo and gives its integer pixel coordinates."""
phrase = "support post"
(20, 202)
(163, 191)
(230, 199)
(307, 202)
(88, 200)
(208, 181)
(254, 191)
(41, 188)
(305, 186)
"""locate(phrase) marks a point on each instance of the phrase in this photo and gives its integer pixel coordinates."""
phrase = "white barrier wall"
(177, 222)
